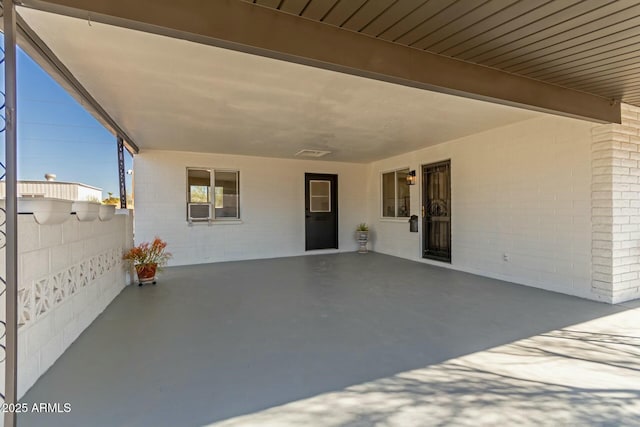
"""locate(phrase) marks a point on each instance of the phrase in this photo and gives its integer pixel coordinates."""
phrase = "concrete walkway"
(335, 340)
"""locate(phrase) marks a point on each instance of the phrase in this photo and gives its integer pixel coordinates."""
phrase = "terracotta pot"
(146, 273)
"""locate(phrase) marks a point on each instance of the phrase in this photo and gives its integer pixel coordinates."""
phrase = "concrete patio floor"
(348, 339)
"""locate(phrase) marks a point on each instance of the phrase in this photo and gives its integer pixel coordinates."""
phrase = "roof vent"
(50, 176)
(312, 153)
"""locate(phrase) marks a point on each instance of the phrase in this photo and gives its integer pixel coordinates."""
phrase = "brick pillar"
(615, 208)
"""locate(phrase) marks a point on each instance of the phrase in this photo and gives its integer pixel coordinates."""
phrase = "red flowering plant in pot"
(147, 258)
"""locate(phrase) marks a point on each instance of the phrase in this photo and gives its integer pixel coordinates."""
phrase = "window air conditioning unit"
(199, 211)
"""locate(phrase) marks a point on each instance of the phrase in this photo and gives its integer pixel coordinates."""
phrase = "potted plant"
(362, 236)
(147, 258)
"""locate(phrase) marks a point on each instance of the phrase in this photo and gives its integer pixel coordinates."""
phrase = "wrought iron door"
(436, 211)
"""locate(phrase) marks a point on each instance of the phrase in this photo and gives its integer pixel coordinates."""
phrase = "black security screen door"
(436, 211)
(321, 211)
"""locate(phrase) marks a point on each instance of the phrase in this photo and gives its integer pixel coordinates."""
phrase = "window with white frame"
(212, 194)
(395, 194)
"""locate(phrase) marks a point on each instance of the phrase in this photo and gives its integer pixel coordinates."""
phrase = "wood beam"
(245, 27)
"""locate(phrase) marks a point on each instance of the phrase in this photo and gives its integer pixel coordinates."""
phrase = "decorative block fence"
(68, 274)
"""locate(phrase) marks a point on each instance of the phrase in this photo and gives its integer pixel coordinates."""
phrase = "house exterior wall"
(68, 274)
(523, 190)
(550, 202)
(272, 207)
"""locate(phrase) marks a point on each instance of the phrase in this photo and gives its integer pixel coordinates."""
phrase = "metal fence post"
(11, 224)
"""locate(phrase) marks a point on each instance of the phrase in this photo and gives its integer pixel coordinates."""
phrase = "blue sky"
(55, 134)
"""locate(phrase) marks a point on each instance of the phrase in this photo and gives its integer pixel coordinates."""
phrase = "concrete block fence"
(68, 274)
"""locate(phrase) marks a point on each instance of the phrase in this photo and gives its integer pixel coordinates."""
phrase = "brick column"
(615, 208)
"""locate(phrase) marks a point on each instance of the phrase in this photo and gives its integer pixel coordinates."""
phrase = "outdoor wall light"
(411, 178)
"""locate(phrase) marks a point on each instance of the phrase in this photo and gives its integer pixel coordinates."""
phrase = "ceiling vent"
(312, 153)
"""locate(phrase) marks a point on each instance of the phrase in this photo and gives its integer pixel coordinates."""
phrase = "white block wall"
(558, 196)
(68, 274)
(523, 190)
(616, 208)
(271, 205)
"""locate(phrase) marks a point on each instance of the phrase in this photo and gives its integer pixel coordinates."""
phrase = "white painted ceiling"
(173, 94)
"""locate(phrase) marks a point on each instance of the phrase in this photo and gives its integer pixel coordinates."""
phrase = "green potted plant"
(148, 258)
(362, 236)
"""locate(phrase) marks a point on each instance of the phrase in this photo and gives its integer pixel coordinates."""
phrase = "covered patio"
(510, 134)
(345, 339)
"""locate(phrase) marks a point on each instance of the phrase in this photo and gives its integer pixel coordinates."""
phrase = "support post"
(121, 172)
(11, 339)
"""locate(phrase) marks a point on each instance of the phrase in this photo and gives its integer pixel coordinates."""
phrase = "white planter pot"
(86, 211)
(362, 237)
(106, 212)
(46, 210)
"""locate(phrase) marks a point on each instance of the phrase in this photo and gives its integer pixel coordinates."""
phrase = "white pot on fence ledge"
(86, 211)
(106, 212)
(46, 210)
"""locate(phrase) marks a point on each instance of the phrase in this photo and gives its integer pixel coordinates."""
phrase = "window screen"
(219, 189)
(199, 185)
(226, 194)
(396, 200)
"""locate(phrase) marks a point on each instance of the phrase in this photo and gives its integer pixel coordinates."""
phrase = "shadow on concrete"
(214, 342)
(534, 382)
